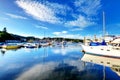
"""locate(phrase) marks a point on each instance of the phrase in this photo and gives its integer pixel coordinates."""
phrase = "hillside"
(7, 36)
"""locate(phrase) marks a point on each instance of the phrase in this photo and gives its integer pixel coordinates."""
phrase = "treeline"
(63, 39)
(4, 35)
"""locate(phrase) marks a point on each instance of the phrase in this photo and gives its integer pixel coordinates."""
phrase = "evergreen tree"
(5, 30)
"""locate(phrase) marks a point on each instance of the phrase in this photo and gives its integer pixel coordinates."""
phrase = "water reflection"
(65, 70)
(113, 63)
(45, 64)
(3, 51)
(65, 50)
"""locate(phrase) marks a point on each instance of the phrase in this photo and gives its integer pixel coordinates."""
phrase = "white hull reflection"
(113, 63)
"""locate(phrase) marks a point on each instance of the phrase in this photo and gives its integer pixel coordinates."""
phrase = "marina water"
(52, 63)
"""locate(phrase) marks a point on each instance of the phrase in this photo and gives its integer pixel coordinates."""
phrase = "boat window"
(115, 44)
(119, 45)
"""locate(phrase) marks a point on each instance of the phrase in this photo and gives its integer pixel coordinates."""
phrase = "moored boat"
(10, 46)
(32, 45)
(112, 50)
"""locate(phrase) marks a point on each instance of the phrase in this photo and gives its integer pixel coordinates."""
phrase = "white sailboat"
(101, 49)
(109, 51)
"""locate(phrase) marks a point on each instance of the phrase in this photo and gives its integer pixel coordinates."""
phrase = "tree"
(4, 29)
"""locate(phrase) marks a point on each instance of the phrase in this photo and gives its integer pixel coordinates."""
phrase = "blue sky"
(59, 18)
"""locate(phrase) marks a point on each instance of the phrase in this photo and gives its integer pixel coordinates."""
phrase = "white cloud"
(80, 14)
(56, 33)
(88, 7)
(75, 36)
(42, 27)
(38, 11)
(60, 33)
(64, 32)
(58, 8)
(81, 22)
(15, 16)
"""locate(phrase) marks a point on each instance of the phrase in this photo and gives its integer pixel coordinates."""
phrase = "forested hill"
(6, 36)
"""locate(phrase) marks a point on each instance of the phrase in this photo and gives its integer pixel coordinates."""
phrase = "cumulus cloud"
(15, 16)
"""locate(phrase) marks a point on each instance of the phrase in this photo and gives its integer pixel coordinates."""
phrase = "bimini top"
(98, 43)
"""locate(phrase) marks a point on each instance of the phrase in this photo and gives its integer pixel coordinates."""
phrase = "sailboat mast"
(104, 25)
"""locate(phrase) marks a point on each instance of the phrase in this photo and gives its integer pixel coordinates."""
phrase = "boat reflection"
(3, 51)
(113, 63)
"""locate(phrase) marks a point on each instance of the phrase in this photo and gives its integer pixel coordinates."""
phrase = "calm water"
(51, 63)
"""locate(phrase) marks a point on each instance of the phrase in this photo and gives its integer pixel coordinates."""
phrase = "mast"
(104, 25)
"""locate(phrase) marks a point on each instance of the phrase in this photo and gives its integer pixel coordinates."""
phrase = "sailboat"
(101, 49)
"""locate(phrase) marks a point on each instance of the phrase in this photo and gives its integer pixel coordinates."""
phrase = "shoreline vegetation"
(9, 37)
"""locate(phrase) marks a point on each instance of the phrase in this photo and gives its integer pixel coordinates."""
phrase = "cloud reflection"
(65, 50)
(39, 71)
(51, 70)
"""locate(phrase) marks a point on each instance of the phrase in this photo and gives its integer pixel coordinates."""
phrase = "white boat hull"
(108, 51)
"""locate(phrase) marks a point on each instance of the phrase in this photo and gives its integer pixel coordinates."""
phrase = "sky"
(60, 18)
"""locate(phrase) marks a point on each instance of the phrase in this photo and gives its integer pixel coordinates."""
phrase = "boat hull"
(11, 47)
(106, 51)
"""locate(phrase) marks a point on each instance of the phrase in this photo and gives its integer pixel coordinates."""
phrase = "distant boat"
(31, 45)
(10, 46)
(44, 44)
(59, 44)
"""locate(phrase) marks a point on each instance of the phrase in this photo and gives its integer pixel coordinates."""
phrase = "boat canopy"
(97, 43)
